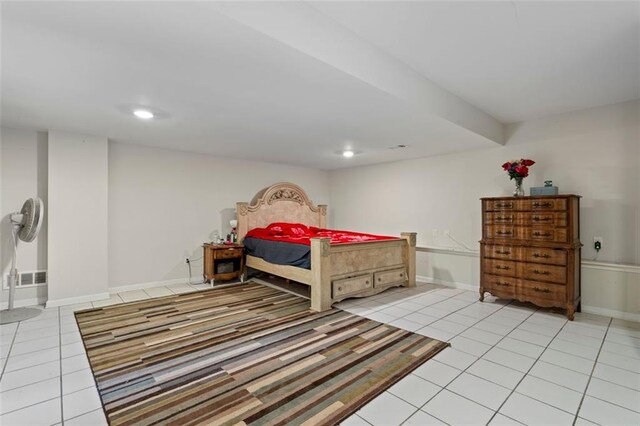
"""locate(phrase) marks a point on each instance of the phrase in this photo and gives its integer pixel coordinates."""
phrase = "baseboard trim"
(102, 296)
(32, 301)
(628, 316)
(453, 284)
(75, 300)
(150, 284)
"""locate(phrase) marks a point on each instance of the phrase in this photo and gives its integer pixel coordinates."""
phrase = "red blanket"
(298, 233)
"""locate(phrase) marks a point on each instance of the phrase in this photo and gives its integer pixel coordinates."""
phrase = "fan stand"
(12, 315)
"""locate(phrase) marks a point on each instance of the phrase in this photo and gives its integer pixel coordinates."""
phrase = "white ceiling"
(295, 83)
(516, 60)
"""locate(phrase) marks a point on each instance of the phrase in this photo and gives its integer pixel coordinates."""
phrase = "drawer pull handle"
(401, 275)
(536, 271)
(541, 234)
(504, 268)
(503, 284)
(544, 256)
(503, 252)
(542, 219)
(504, 218)
(366, 282)
(542, 290)
(503, 232)
(542, 205)
(504, 205)
(379, 279)
(339, 288)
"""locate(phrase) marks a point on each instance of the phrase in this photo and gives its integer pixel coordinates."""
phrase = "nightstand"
(223, 262)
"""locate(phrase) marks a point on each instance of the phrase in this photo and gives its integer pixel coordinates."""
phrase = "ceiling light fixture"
(348, 154)
(143, 114)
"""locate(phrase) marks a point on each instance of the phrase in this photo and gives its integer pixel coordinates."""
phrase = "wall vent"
(26, 279)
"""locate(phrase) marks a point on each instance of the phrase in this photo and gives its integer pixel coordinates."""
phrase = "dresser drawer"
(557, 219)
(503, 252)
(352, 285)
(501, 218)
(500, 286)
(391, 276)
(538, 272)
(501, 205)
(545, 204)
(545, 255)
(505, 268)
(504, 232)
(546, 234)
(537, 290)
(227, 254)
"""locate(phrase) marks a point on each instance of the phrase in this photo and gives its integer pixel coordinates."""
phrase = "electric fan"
(25, 226)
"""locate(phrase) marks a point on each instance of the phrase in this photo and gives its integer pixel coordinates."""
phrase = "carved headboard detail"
(282, 202)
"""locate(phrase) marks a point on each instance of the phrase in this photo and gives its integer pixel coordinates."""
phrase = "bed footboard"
(360, 269)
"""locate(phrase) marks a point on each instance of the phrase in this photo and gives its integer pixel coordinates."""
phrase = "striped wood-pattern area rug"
(244, 354)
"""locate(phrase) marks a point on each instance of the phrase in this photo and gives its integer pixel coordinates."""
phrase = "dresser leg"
(570, 312)
(481, 295)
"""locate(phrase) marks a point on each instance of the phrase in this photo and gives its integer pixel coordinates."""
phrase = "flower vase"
(518, 192)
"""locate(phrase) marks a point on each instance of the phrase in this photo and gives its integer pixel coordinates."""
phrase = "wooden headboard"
(282, 202)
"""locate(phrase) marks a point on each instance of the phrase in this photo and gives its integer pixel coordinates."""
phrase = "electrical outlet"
(597, 243)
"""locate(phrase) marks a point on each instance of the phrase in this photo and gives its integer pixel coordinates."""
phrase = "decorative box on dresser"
(530, 250)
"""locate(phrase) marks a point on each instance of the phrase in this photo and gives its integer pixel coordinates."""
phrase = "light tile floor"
(509, 364)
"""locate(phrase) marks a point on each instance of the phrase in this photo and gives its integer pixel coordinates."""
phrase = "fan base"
(18, 314)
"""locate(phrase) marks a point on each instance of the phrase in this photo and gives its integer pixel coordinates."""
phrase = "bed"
(337, 271)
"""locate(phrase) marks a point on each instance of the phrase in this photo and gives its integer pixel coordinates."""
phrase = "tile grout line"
(450, 313)
(527, 373)
(434, 303)
(4, 365)
(458, 334)
(469, 366)
(32, 405)
(101, 409)
(595, 363)
(464, 370)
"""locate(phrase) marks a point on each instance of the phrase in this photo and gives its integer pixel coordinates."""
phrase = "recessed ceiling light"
(143, 113)
(348, 154)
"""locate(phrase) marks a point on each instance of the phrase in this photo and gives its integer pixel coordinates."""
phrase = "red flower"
(506, 166)
(522, 171)
(528, 162)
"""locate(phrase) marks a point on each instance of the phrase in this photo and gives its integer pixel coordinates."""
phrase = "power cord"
(463, 245)
(188, 261)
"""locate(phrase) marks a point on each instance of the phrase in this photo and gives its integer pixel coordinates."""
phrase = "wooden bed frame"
(337, 271)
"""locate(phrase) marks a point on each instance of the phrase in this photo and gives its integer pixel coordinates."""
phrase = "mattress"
(290, 243)
(279, 252)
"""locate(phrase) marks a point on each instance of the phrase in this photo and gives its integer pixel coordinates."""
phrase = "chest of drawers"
(530, 250)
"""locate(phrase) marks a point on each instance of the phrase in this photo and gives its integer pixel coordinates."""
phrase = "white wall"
(23, 174)
(77, 252)
(594, 153)
(123, 214)
(164, 204)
